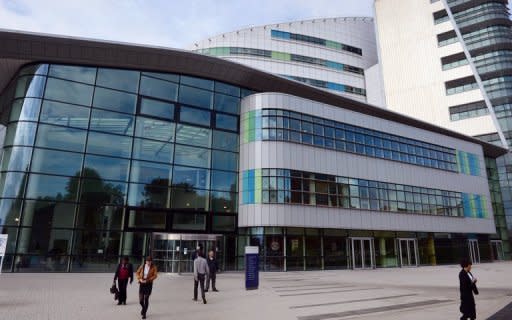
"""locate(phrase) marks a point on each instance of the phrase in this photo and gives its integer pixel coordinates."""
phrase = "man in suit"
(467, 288)
(124, 272)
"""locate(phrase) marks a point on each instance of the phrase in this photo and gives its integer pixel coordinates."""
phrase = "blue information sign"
(251, 268)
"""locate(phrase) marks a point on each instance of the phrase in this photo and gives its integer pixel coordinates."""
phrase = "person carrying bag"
(146, 274)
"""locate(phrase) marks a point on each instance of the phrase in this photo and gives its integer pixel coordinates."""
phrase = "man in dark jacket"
(124, 272)
(214, 267)
(467, 288)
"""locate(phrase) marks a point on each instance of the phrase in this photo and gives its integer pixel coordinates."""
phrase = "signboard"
(251, 267)
(3, 248)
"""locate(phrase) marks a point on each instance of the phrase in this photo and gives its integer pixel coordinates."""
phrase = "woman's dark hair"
(465, 262)
(148, 258)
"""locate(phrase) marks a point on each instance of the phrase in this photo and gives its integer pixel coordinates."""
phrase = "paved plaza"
(409, 293)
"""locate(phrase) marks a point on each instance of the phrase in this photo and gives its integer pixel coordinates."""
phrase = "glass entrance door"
(362, 253)
(497, 249)
(175, 253)
(474, 251)
(408, 252)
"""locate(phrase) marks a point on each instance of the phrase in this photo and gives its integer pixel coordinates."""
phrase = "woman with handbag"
(146, 274)
(467, 289)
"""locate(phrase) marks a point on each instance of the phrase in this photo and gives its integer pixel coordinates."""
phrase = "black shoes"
(204, 301)
(215, 290)
(205, 290)
(143, 316)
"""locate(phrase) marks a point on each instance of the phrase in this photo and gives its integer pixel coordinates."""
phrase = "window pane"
(147, 219)
(106, 168)
(12, 184)
(224, 160)
(190, 199)
(152, 150)
(66, 91)
(158, 88)
(149, 172)
(223, 201)
(118, 79)
(196, 97)
(52, 188)
(148, 195)
(49, 242)
(157, 108)
(98, 216)
(65, 114)
(227, 104)
(195, 116)
(114, 100)
(41, 69)
(227, 89)
(224, 223)
(191, 156)
(111, 122)
(225, 140)
(96, 192)
(191, 178)
(189, 221)
(25, 109)
(223, 121)
(20, 133)
(29, 86)
(155, 129)
(225, 181)
(163, 76)
(10, 212)
(68, 139)
(16, 159)
(56, 162)
(109, 144)
(197, 82)
(75, 73)
(193, 135)
(51, 214)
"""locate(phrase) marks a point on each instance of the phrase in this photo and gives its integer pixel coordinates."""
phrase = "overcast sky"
(168, 23)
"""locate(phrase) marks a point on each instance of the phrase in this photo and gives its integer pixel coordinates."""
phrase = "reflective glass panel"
(10, 212)
(25, 109)
(148, 195)
(106, 168)
(147, 219)
(109, 144)
(157, 108)
(61, 138)
(29, 86)
(56, 162)
(158, 88)
(224, 223)
(192, 156)
(151, 173)
(227, 89)
(225, 141)
(99, 193)
(189, 221)
(163, 76)
(20, 133)
(67, 91)
(118, 79)
(111, 122)
(97, 216)
(224, 160)
(12, 184)
(65, 114)
(223, 121)
(152, 150)
(52, 188)
(225, 181)
(190, 199)
(227, 104)
(114, 100)
(190, 135)
(184, 177)
(196, 97)
(195, 116)
(75, 73)
(197, 82)
(16, 158)
(154, 129)
(52, 214)
(223, 201)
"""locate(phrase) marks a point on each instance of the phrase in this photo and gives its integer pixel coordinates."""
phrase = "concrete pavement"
(409, 293)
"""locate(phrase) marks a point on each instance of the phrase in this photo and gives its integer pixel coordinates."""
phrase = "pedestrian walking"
(200, 273)
(467, 289)
(146, 274)
(213, 267)
(124, 272)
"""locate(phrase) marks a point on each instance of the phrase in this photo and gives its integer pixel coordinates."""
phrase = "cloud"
(161, 22)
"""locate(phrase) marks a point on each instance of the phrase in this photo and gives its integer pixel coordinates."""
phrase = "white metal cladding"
(356, 32)
(273, 154)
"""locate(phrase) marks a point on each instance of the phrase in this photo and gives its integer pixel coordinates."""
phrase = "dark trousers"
(144, 293)
(200, 280)
(122, 284)
(466, 317)
(212, 277)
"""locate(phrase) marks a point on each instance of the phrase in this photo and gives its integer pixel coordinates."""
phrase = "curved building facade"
(331, 54)
(121, 150)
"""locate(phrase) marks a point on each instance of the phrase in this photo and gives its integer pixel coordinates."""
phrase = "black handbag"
(114, 291)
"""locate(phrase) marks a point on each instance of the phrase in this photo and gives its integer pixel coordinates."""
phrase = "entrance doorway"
(362, 253)
(474, 251)
(408, 252)
(497, 249)
(174, 253)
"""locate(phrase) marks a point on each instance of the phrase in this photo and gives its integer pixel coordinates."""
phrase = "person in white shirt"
(200, 272)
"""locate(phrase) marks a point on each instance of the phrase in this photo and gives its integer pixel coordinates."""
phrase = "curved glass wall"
(95, 156)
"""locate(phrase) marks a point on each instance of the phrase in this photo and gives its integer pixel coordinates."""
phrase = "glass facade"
(95, 159)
